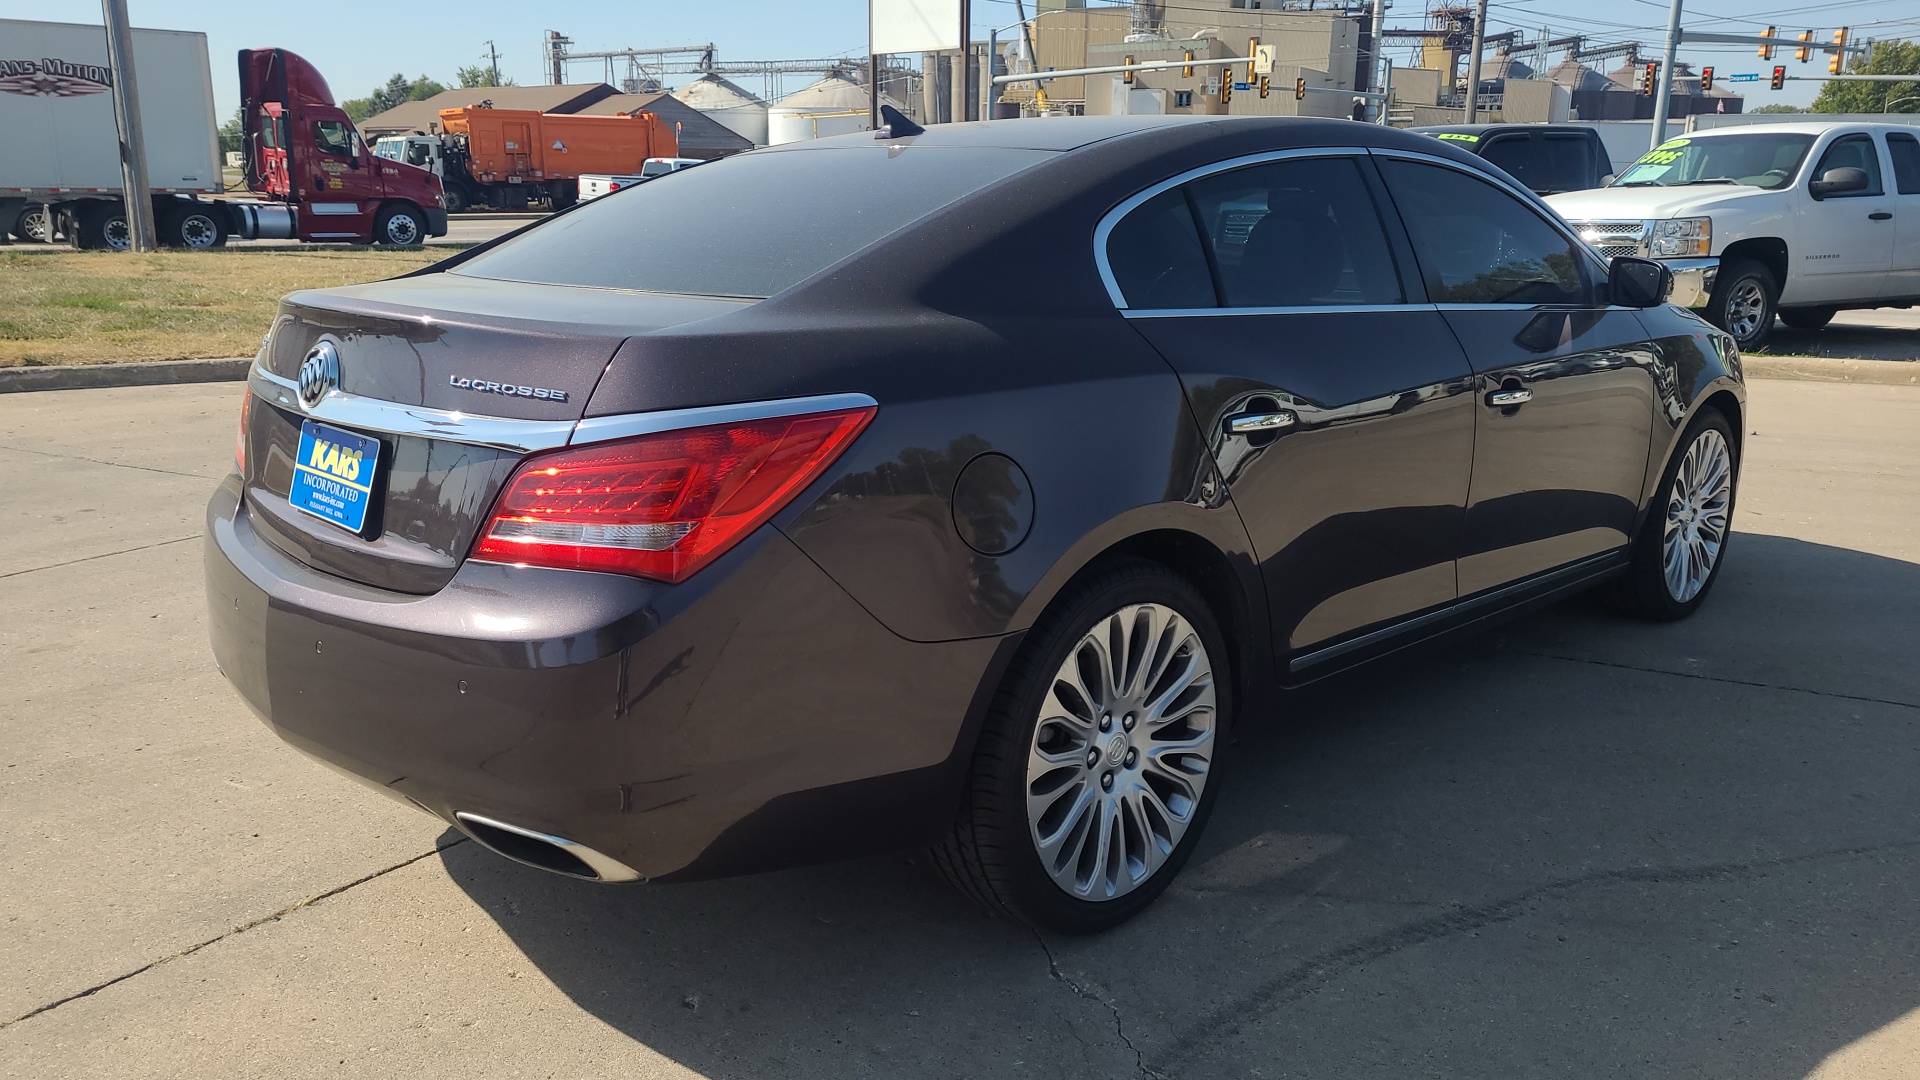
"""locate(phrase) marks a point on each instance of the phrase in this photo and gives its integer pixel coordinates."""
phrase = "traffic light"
(1263, 85)
(1300, 89)
(1706, 79)
(1838, 59)
(1253, 46)
(1804, 52)
(1766, 51)
(1127, 75)
(1648, 77)
(1187, 72)
(1779, 77)
(1226, 87)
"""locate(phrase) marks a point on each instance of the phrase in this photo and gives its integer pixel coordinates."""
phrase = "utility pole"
(1664, 92)
(1373, 50)
(138, 199)
(493, 60)
(1473, 62)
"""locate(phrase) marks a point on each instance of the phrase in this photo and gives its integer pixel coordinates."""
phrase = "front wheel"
(1683, 542)
(1094, 775)
(1743, 302)
(456, 200)
(401, 226)
(1808, 318)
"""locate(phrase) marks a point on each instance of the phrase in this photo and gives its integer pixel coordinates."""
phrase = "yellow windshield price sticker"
(1673, 144)
(1458, 136)
(1660, 157)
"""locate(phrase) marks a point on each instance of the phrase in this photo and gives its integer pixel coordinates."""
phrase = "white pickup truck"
(1794, 220)
(594, 185)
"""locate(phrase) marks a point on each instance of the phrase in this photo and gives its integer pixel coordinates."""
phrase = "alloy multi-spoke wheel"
(1120, 752)
(1698, 511)
(1099, 759)
(1681, 545)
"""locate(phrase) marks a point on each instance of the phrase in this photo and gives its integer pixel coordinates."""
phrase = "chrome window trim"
(526, 436)
(1318, 309)
(1127, 205)
(627, 425)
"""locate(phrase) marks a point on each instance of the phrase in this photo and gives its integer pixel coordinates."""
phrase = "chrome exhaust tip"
(544, 851)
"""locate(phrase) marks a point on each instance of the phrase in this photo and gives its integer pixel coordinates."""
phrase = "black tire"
(193, 226)
(1644, 590)
(1808, 318)
(1744, 302)
(34, 225)
(991, 854)
(562, 194)
(400, 225)
(102, 227)
(456, 199)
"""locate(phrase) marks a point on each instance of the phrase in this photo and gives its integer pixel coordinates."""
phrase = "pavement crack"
(1313, 974)
(236, 931)
(1712, 678)
(102, 555)
(1119, 1023)
(109, 464)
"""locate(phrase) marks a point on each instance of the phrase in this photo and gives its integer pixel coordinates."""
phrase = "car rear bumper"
(751, 718)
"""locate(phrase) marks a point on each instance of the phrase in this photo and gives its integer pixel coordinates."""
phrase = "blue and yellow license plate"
(333, 475)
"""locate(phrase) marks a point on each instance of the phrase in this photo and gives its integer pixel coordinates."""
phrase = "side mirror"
(1639, 283)
(1838, 181)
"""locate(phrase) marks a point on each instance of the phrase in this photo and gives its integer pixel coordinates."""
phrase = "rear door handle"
(1511, 397)
(1256, 423)
(1879, 215)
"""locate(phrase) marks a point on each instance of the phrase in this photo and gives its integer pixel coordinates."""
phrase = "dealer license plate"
(333, 475)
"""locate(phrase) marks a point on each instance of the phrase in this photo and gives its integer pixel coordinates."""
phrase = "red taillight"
(613, 187)
(240, 441)
(660, 506)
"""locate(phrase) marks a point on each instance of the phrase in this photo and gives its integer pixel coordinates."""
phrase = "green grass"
(72, 307)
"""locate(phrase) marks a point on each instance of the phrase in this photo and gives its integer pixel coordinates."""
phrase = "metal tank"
(728, 105)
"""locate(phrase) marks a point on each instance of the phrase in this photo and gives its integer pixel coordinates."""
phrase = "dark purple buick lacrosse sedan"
(959, 488)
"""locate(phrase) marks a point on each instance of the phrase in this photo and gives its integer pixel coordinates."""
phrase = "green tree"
(1778, 109)
(231, 133)
(398, 90)
(481, 75)
(1884, 58)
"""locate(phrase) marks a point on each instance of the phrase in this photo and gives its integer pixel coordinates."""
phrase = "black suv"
(1548, 158)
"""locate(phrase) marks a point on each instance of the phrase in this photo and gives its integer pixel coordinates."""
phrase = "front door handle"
(1259, 423)
(1879, 215)
(1509, 397)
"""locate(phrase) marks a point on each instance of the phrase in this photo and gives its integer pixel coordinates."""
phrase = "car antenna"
(895, 125)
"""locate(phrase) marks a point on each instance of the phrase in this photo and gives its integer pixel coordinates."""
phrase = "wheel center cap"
(1116, 749)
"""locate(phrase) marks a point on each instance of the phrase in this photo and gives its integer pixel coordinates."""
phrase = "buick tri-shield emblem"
(319, 373)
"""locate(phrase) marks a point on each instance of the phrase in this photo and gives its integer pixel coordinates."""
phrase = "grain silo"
(726, 103)
(833, 106)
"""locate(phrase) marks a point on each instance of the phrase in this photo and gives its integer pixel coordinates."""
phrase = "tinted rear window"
(747, 226)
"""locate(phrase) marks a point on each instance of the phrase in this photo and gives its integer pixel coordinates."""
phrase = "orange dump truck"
(506, 158)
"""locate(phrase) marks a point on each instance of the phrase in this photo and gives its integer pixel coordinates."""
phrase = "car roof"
(1066, 133)
(1806, 128)
(1483, 129)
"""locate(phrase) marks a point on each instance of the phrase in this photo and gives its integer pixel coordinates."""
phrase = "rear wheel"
(194, 227)
(1683, 542)
(1743, 301)
(1093, 777)
(103, 227)
(401, 225)
(34, 224)
(1808, 318)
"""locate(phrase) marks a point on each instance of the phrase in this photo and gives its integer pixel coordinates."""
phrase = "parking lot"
(1575, 846)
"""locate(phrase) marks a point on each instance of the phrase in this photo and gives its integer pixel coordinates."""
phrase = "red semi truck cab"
(304, 154)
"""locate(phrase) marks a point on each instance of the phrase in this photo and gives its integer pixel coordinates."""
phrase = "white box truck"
(60, 172)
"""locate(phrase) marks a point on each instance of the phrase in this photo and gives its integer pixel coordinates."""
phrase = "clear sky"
(357, 44)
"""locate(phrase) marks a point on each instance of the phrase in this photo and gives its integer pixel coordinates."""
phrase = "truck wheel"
(400, 225)
(563, 193)
(1808, 318)
(35, 224)
(1743, 301)
(456, 200)
(103, 227)
(195, 228)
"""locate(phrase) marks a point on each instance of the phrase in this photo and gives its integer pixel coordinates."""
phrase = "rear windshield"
(750, 225)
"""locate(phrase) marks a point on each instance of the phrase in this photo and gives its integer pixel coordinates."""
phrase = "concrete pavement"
(1574, 846)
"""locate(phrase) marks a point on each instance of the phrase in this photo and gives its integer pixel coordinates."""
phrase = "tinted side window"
(1852, 152)
(1155, 256)
(1569, 164)
(1905, 150)
(1516, 156)
(331, 137)
(1296, 234)
(1479, 245)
